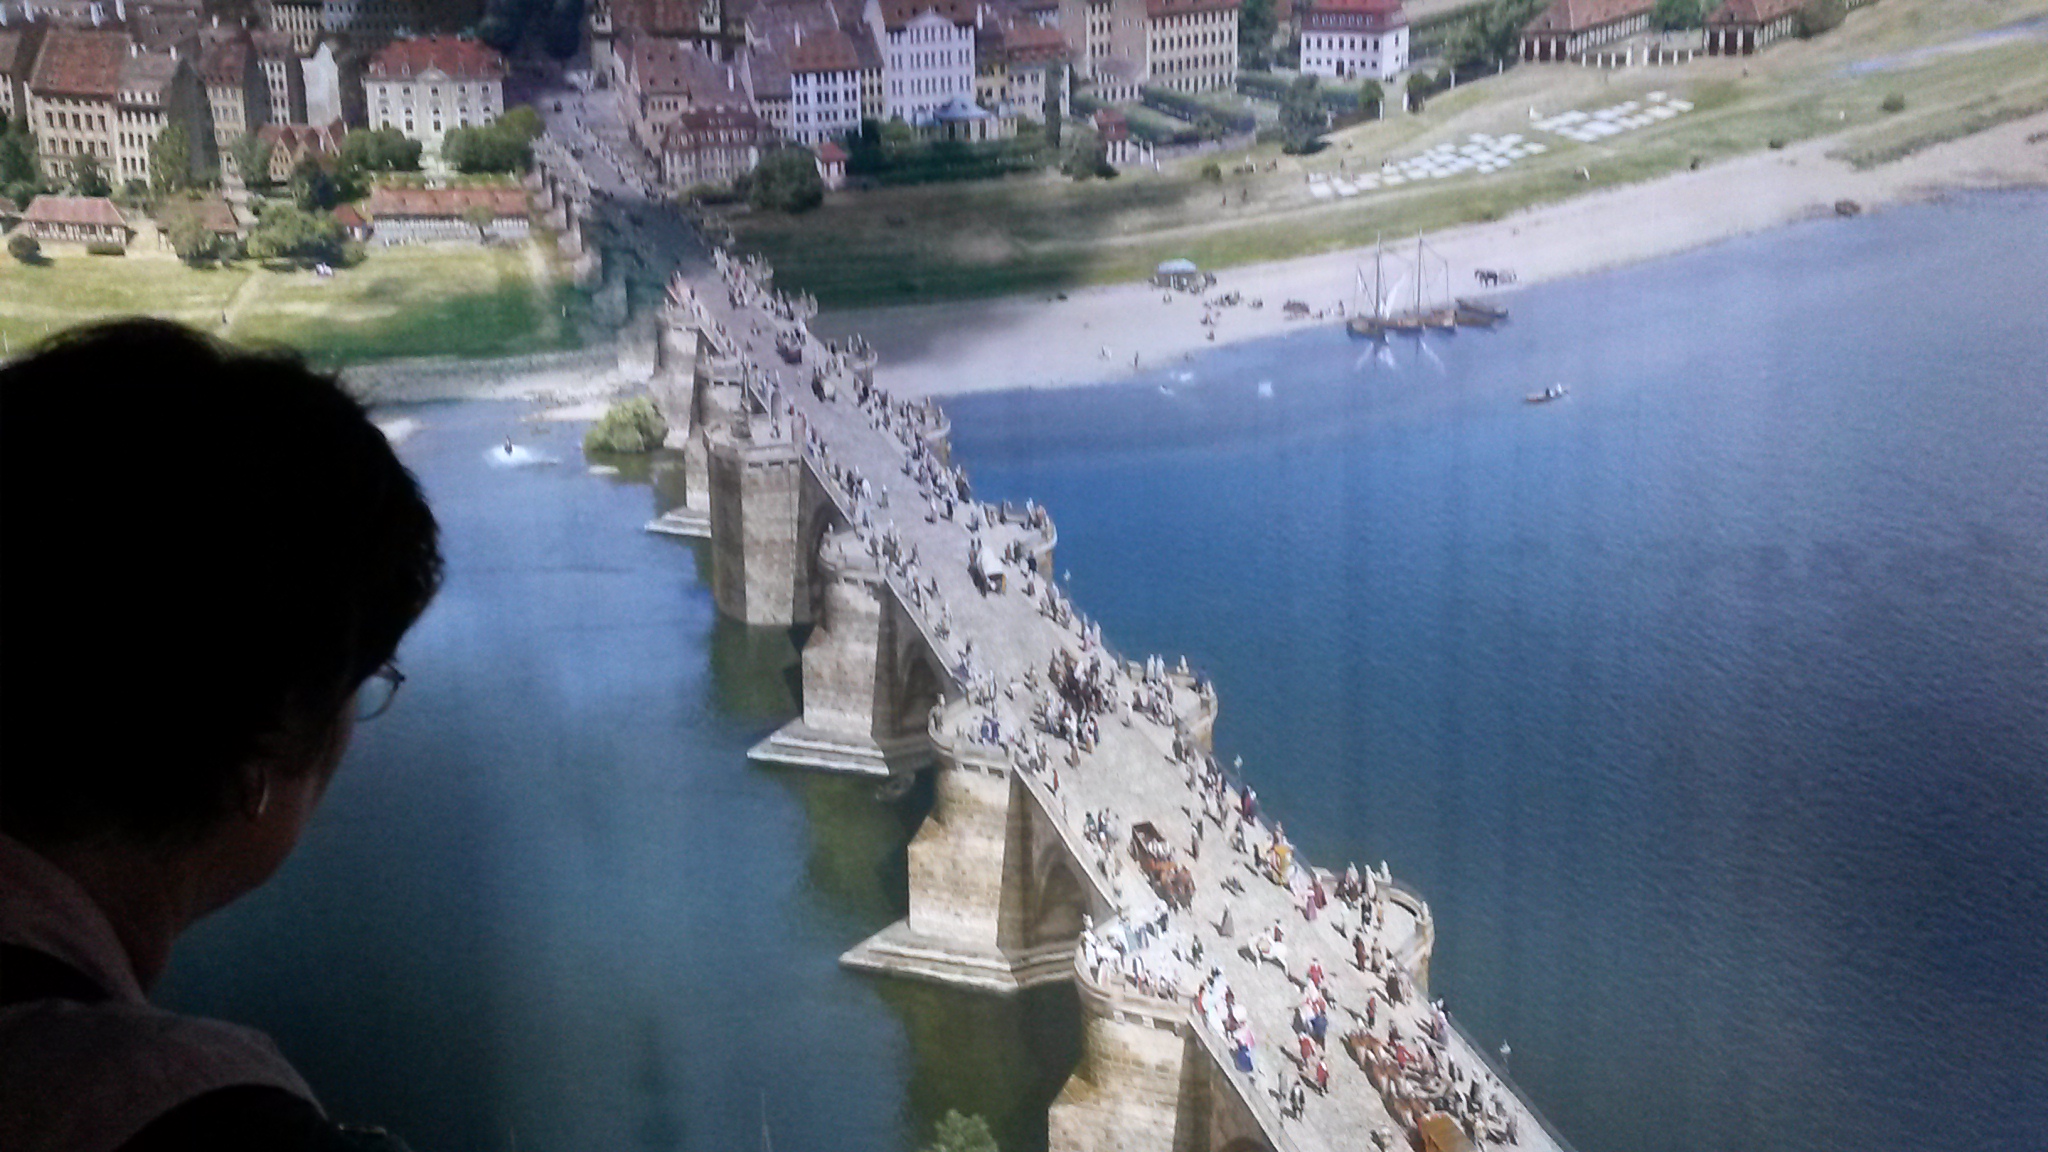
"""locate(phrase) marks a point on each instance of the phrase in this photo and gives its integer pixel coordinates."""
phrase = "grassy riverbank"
(1043, 233)
(445, 300)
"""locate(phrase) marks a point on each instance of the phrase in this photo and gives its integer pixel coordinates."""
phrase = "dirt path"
(246, 291)
(541, 277)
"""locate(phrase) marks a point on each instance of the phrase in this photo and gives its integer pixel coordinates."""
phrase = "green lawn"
(1043, 233)
(429, 300)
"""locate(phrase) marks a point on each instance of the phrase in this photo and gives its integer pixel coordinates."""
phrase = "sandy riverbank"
(1036, 342)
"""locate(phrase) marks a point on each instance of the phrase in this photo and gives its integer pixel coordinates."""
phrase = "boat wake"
(510, 455)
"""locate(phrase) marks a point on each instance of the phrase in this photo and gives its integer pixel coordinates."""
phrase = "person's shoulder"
(256, 1118)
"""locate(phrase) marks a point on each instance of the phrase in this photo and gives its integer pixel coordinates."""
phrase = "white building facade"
(1355, 39)
(425, 87)
(927, 49)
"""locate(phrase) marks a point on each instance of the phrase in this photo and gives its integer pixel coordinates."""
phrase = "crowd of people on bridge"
(1404, 1047)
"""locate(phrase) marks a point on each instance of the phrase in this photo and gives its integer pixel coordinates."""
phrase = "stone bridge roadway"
(1132, 774)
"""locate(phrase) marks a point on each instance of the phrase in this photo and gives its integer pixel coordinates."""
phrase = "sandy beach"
(1099, 334)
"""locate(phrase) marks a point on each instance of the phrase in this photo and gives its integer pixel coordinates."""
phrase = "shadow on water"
(1000, 1058)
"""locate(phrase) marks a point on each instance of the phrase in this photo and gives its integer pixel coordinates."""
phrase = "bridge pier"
(868, 685)
(758, 572)
(996, 902)
(1148, 1081)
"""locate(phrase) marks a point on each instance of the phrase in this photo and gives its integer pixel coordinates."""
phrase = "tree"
(1256, 24)
(312, 188)
(503, 145)
(786, 180)
(1491, 37)
(170, 161)
(957, 1133)
(1370, 96)
(1818, 16)
(480, 218)
(251, 154)
(1055, 87)
(188, 235)
(18, 159)
(88, 178)
(629, 426)
(1673, 15)
(1301, 116)
(24, 248)
(380, 150)
(288, 232)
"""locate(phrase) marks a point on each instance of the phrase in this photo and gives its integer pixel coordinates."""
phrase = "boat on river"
(1554, 392)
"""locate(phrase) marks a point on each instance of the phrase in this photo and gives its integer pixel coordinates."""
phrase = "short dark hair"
(203, 552)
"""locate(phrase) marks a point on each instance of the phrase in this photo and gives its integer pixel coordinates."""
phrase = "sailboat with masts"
(1427, 310)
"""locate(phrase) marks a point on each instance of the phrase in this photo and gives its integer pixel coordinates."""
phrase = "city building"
(427, 85)
(1350, 39)
(927, 49)
(831, 165)
(76, 220)
(298, 20)
(284, 78)
(660, 78)
(98, 93)
(292, 144)
(1740, 27)
(1569, 27)
(1191, 45)
(1020, 62)
(19, 43)
(711, 146)
(825, 82)
(237, 95)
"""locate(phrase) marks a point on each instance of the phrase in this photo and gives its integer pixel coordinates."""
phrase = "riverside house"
(1568, 28)
(76, 220)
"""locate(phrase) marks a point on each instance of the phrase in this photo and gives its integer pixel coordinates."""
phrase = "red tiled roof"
(444, 202)
(1156, 9)
(1381, 8)
(1580, 15)
(1020, 42)
(658, 17)
(299, 139)
(711, 126)
(460, 59)
(347, 216)
(1741, 12)
(662, 65)
(824, 50)
(214, 213)
(831, 153)
(224, 62)
(897, 13)
(84, 210)
(80, 62)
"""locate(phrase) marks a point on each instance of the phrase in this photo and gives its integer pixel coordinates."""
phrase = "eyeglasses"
(374, 697)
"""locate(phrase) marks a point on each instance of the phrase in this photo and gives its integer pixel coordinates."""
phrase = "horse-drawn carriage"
(1174, 883)
(988, 572)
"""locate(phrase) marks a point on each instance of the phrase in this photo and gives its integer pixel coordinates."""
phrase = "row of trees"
(503, 145)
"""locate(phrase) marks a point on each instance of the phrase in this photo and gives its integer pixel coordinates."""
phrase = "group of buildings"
(702, 85)
(105, 78)
(1570, 29)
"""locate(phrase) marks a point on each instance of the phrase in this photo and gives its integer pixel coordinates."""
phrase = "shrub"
(106, 248)
(786, 180)
(1894, 103)
(1818, 16)
(24, 248)
(1212, 172)
(630, 426)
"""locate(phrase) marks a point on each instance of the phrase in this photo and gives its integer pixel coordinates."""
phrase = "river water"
(1709, 706)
